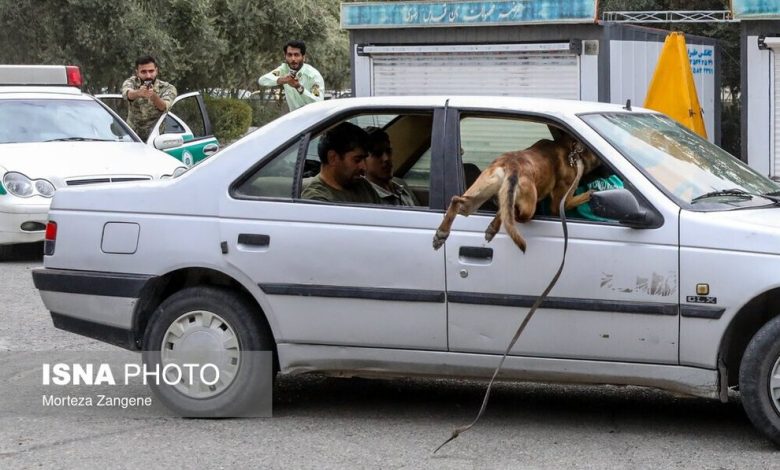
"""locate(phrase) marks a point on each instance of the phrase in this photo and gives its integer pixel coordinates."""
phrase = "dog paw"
(439, 239)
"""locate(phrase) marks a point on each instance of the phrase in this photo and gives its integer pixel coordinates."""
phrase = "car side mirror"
(621, 205)
(116, 129)
(168, 141)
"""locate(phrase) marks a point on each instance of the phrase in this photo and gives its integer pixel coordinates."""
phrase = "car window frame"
(304, 138)
(542, 118)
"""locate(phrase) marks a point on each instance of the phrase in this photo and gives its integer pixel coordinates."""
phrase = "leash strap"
(536, 304)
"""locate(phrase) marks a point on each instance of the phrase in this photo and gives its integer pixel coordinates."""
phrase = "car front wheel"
(759, 380)
(212, 354)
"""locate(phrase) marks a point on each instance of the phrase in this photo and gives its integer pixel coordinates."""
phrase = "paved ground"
(324, 422)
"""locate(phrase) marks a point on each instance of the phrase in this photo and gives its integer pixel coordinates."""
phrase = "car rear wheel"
(759, 380)
(213, 354)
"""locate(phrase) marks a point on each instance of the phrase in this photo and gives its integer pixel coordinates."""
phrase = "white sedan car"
(671, 280)
(53, 136)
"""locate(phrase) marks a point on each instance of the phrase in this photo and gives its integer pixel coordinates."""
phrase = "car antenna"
(627, 107)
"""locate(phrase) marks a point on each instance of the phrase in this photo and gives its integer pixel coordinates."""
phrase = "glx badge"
(701, 299)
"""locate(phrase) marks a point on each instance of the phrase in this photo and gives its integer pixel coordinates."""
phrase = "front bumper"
(17, 211)
(94, 304)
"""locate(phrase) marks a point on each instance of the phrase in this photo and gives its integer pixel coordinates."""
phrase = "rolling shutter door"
(533, 70)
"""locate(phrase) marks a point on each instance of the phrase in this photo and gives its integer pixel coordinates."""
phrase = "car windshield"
(696, 173)
(45, 120)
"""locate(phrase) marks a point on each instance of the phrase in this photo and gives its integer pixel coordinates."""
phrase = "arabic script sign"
(756, 9)
(426, 14)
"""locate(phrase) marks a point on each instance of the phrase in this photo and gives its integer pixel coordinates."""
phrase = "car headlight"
(22, 186)
(176, 173)
(44, 188)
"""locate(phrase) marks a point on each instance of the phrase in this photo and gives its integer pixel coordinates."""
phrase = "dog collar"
(575, 154)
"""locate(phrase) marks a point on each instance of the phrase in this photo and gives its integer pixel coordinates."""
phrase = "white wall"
(632, 65)
(759, 109)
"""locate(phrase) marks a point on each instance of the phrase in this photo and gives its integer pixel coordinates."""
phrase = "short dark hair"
(297, 45)
(377, 140)
(341, 139)
(145, 59)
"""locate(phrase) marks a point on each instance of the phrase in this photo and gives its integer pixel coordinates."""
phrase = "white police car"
(675, 286)
(52, 135)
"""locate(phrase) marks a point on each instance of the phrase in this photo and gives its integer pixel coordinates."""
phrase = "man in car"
(301, 82)
(379, 171)
(343, 163)
(147, 97)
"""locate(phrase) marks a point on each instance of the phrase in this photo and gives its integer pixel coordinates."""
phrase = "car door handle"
(210, 149)
(254, 239)
(476, 252)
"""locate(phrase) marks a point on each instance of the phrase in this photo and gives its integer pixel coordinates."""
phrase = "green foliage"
(266, 110)
(199, 44)
(230, 117)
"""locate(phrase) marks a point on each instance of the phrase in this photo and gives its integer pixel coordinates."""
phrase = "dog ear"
(557, 133)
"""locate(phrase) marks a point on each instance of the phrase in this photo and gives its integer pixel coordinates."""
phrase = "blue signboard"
(756, 9)
(426, 14)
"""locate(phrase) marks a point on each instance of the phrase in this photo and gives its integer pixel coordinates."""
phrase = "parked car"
(188, 117)
(676, 287)
(53, 135)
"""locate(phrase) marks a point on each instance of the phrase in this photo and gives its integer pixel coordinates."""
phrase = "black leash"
(458, 431)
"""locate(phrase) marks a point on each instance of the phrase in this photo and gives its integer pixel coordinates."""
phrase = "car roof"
(547, 105)
(16, 91)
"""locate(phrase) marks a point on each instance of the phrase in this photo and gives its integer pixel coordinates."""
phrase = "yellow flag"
(672, 90)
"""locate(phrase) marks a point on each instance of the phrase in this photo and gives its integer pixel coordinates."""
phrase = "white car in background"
(53, 135)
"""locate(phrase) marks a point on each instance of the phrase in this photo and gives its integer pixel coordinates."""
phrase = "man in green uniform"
(301, 82)
(148, 98)
(343, 157)
(379, 171)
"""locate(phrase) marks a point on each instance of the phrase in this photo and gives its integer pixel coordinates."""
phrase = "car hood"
(752, 230)
(61, 161)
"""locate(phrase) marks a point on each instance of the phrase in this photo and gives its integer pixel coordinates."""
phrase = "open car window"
(410, 139)
(485, 138)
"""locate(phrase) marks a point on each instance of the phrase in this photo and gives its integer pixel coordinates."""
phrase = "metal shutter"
(550, 71)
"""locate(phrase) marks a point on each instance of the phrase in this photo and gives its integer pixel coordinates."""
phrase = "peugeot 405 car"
(670, 281)
(52, 135)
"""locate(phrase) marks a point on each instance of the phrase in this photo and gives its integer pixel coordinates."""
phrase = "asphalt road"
(322, 422)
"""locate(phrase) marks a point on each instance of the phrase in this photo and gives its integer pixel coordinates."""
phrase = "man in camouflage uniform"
(148, 98)
(301, 82)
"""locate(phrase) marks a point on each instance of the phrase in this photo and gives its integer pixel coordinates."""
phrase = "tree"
(199, 44)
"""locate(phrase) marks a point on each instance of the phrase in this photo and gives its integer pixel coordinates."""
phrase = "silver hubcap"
(207, 340)
(774, 385)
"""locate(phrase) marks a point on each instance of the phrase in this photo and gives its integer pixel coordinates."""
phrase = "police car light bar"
(40, 75)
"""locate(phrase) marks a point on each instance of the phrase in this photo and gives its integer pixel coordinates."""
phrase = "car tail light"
(73, 74)
(50, 238)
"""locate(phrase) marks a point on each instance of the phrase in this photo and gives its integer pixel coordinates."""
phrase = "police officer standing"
(148, 98)
(302, 83)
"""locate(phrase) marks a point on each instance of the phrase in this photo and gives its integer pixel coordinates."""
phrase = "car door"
(617, 297)
(189, 118)
(341, 274)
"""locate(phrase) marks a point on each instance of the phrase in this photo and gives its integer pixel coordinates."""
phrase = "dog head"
(576, 150)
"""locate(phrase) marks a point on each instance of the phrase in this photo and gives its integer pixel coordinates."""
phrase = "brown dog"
(521, 179)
